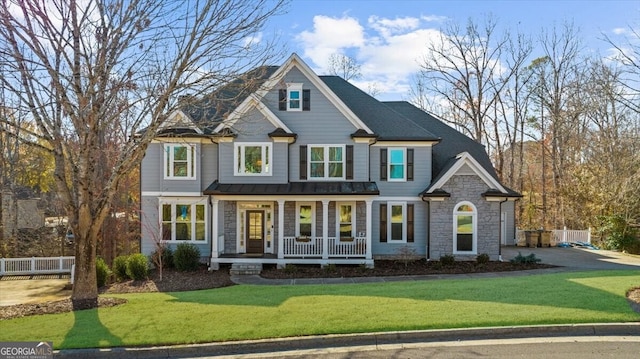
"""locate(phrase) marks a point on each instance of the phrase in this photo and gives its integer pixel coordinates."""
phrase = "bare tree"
(82, 69)
(463, 68)
(344, 66)
(627, 54)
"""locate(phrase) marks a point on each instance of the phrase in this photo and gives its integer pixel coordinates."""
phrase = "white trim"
(295, 60)
(410, 144)
(182, 139)
(390, 206)
(251, 101)
(266, 151)
(192, 203)
(404, 164)
(313, 217)
(474, 225)
(192, 156)
(179, 119)
(294, 87)
(170, 194)
(353, 218)
(462, 159)
(327, 162)
(389, 198)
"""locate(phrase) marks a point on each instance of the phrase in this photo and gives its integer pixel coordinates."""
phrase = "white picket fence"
(36, 265)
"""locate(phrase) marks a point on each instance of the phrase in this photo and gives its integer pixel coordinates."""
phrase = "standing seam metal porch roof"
(294, 188)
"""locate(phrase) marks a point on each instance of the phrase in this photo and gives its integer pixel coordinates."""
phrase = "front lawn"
(254, 312)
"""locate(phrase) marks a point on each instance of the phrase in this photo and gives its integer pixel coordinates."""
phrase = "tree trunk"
(85, 284)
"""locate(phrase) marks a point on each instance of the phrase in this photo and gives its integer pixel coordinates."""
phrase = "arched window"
(465, 224)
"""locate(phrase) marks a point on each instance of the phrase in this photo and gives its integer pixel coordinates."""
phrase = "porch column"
(280, 229)
(325, 229)
(369, 204)
(215, 252)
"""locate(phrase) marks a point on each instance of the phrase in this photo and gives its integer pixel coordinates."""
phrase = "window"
(252, 159)
(396, 164)
(294, 98)
(305, 220)
(396, 222)
(464, 228)
(346, 220)
(183, 221)
(326, 162)
(179, 161)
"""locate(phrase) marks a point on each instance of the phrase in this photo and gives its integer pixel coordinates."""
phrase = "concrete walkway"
(33, 289)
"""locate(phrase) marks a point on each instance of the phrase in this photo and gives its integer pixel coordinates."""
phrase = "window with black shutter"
(303, 162)
(383, 164)
(383, 222)
(409, 164)
(349, 158)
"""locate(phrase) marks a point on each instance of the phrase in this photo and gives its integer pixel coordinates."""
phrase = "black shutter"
(303, 162)
(383, 222)
(349, 156)
(383, 164)
(409, 164)
(410, 223)
(306, 100)
(282, 99)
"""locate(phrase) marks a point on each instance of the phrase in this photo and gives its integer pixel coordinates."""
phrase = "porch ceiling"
(294, 188)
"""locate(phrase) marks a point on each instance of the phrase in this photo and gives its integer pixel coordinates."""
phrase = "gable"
(465, 164)
(178, 121)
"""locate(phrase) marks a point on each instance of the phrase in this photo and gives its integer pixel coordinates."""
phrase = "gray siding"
(386, 249)
(421, 173)
(465, 188)
(324, 124)
(152, 176)
(209, 164)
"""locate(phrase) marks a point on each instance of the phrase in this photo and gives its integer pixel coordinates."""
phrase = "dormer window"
(294, 98)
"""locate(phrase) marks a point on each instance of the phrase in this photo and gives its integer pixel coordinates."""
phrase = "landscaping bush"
(530, 259)
(186, 257)
(482, 258)
(448, 260)
(102, 272)
(167, 257)
(618, 233)
(120, 267)
(137, 266)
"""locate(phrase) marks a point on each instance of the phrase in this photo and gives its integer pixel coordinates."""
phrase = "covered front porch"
(295, 227)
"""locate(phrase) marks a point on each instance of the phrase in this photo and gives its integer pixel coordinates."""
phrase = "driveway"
(577, 258)
(36, 289)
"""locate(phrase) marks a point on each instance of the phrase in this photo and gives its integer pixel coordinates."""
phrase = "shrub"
(186, 257)
(137, 266)
(447, 260)
(290, 268)
(120, 267)
(482, 258)
(331, 268)
(618, 233)
(102, 272)
(406, 255)
(530, 259)
(167, 257)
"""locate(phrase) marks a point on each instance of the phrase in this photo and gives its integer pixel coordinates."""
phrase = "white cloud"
(329, 36)
(619, 31)
(388, 27)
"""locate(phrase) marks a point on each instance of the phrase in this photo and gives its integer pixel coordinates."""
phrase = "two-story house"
(300, 168)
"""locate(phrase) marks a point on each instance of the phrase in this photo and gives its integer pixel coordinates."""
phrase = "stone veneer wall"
(230, 228)
(465, 188)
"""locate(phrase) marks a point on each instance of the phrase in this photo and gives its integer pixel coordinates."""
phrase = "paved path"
(33, 289)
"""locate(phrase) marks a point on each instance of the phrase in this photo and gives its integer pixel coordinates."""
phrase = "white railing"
(312, 247)
(356, 247)
(561, 236)
(571, 235)
(302, 247)
(36, 265)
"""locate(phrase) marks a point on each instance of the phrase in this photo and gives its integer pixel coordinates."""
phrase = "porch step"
(245, 269)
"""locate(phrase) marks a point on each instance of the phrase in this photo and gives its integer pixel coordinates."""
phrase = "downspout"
(500, 229)
(428, 228)
(210, 232)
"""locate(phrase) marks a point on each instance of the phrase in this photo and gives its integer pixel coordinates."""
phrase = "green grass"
(253, 312)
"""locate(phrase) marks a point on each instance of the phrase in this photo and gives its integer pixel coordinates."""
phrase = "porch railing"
(36, 265)
(312, 247)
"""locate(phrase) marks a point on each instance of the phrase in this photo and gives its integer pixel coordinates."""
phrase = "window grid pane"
(305, 218)
(397, 220)
(396, 164)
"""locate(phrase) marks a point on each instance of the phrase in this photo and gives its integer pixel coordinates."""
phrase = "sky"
(387, 38)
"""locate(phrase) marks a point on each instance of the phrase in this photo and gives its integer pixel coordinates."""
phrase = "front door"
(255, 232)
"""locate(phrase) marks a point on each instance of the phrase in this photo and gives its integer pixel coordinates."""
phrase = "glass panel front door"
(255, 232)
